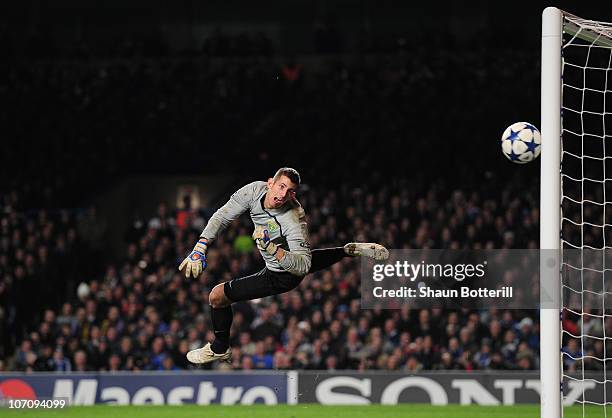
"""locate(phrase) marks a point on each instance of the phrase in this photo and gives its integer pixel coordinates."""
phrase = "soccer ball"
(521, 142)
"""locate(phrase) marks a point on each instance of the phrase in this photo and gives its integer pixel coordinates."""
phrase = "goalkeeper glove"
(262, 239)
(195, 263)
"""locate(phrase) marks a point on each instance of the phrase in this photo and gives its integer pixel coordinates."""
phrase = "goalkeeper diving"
(281, 235)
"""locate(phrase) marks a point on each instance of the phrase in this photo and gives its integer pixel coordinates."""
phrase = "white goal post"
(550, 204)
(575, 213)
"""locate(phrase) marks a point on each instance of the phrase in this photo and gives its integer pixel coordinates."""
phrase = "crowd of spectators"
(394, 148)
(42, 255)
(142, 314)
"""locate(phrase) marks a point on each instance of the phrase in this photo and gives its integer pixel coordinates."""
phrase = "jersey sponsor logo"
(272, 225)
(304, 244)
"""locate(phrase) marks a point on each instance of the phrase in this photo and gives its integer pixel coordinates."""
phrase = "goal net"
(584, 173)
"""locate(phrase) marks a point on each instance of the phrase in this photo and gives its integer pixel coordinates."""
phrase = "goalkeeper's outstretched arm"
(238, 203)
(195, 262)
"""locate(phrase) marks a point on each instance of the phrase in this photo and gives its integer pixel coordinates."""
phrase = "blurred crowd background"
(139, 313)
(395, 134)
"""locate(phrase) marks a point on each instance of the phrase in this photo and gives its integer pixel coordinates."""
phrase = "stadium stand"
(99, 312)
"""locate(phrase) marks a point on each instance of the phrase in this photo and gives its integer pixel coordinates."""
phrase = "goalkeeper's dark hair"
(290, 173)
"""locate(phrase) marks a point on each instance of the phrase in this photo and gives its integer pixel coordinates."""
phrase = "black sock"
(325, 257)
(222, 322)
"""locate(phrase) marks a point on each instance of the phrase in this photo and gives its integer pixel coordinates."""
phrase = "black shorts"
(261, 284)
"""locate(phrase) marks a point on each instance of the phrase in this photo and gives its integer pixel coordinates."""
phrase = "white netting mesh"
(586, 230)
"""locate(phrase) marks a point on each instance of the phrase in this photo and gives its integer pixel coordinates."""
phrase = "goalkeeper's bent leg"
(222, 316)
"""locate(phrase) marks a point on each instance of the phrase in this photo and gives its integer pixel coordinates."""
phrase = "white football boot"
(206, 355)
(367, 249)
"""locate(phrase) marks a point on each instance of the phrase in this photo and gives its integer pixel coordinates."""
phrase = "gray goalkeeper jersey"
(286, 225)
